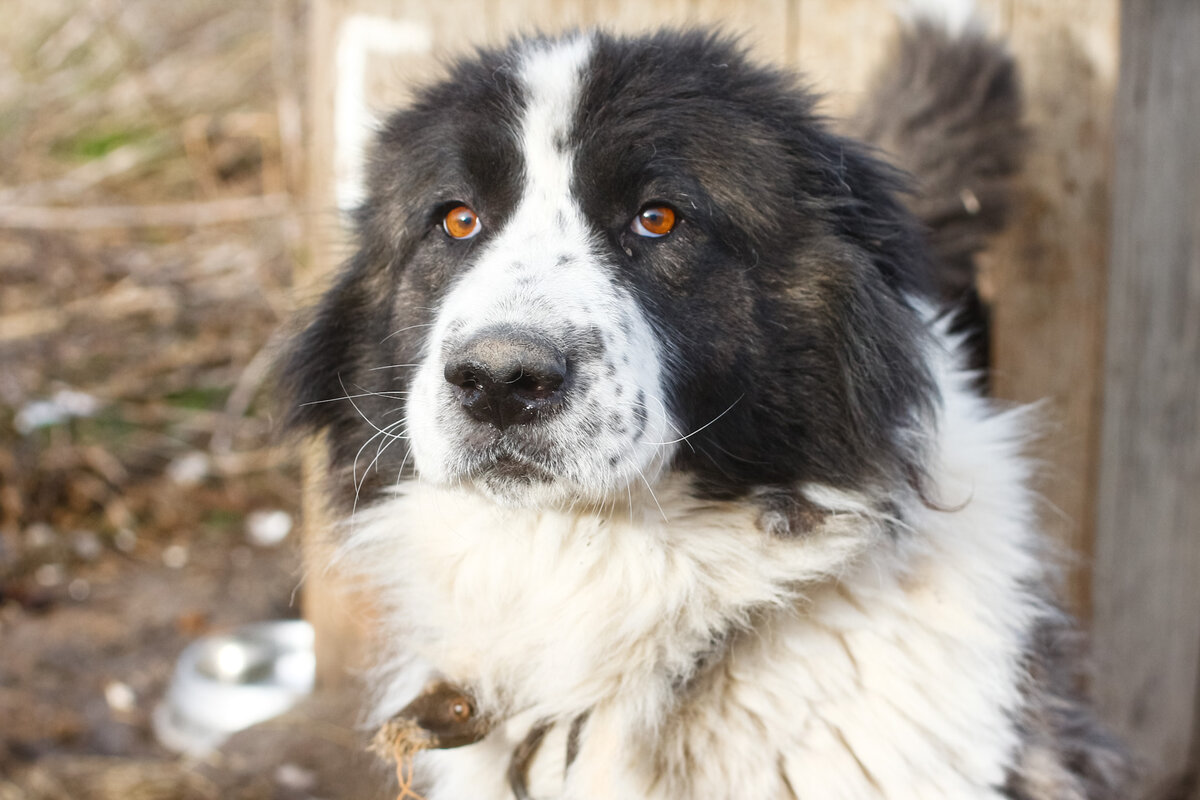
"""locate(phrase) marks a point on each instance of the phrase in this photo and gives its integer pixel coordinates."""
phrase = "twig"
(120, 302)
(121, 160)
(248, 383)
(209, 212)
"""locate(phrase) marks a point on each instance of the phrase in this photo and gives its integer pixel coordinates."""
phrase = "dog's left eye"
(461, 222)
(654, 221)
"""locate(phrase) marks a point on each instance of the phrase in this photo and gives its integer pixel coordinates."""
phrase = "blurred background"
(150, 154)
(172, 182)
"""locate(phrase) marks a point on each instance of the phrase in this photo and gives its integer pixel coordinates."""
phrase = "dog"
(649, 417)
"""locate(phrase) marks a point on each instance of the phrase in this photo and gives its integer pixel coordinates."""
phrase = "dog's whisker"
(391, 438)
(363, 446)
(409, 328)
(356, 407)
(403, 464)
(387, 394)
(383, 435)
(649, 488)
(358, 484)
(380, 450)
(298, 585)
(666, 417)
(702, 427)
(397, 410)
(392, 366)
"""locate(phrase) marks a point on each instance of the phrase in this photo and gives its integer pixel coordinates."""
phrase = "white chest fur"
(846, 664)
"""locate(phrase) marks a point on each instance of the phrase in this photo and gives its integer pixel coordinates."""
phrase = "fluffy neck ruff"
(879, 656)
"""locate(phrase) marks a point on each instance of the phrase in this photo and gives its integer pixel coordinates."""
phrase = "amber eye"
(654, 221)
(460, 709)
(461, 223)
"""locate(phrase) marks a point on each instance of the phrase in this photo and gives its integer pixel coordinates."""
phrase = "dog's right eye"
(654, 221)
(461, 222)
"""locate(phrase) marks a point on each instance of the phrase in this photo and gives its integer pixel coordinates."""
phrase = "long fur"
(764, 539)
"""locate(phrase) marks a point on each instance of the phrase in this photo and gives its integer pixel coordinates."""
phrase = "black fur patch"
(783, 289)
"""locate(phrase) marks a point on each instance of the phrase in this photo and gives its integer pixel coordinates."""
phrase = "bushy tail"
(946, 107)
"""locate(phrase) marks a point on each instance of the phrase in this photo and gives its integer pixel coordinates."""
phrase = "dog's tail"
(946, 107)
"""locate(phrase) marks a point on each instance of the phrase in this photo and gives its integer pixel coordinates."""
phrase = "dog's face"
(587, 262)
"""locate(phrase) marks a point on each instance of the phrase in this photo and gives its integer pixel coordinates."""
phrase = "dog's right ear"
(325, 356)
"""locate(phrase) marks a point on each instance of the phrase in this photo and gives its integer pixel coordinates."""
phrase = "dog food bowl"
(227, 682)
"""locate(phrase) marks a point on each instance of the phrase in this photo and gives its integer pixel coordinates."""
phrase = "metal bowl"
(226, 682)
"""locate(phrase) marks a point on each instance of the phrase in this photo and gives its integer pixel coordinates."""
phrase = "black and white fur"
(765, 540)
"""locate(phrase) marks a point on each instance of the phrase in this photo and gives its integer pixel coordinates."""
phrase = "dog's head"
(588, 262)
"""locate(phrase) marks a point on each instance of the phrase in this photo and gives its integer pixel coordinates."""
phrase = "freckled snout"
(506, 376)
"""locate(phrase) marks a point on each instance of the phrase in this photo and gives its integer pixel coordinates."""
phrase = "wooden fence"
(1108, 228)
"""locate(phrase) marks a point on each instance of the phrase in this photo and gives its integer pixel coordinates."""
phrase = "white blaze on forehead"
(552, 75)
(547, 236)
(547, 228)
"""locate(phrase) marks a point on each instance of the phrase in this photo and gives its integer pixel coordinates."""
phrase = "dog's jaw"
(544, 272)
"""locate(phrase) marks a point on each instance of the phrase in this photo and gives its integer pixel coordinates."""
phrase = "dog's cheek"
(426, 415)
(701, 311)
(640, 426)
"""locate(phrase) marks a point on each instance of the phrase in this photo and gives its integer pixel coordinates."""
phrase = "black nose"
(506, 376)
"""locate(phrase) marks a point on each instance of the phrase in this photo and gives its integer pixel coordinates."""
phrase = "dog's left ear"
(875, 380)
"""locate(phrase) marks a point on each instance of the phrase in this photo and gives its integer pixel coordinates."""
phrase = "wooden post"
(1147, 579)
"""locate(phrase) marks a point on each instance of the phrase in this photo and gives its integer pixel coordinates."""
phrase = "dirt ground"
(149, 234)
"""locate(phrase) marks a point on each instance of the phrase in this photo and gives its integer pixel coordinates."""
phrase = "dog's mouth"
(508, 470)
(513, 468)
(511, 480)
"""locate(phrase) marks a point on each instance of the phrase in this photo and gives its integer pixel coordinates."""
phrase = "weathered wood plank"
(507, 18)
(628, 16)
(838, 45)
(1147, 598)
(768, 27)
(341, 616)
(1045, 275)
